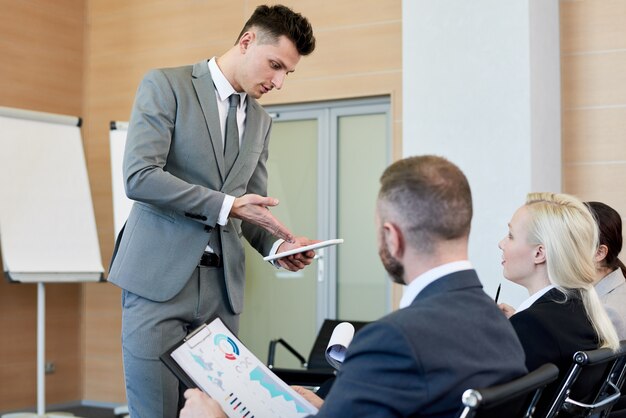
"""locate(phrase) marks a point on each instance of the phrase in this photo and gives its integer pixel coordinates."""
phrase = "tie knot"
(234, 100)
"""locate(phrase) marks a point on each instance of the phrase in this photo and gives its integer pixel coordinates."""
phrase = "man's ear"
(601, 253)
(394, 239)
(246, 40)
(540, 254)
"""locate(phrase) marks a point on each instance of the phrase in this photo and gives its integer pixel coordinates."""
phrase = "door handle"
(320, 265)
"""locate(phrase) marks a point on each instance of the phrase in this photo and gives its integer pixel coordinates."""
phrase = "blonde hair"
(567, 229)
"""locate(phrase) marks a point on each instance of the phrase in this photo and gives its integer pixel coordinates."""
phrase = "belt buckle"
(210, 260)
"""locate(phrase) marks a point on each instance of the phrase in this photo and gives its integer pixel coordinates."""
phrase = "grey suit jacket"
(418, 361)
(612, 292)
(174, 170)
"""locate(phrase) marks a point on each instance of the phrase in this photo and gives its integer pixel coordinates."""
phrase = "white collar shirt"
(534, 297)
(223, 91)
(416, 286)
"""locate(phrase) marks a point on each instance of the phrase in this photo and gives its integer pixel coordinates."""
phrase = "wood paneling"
(104, 379)
(325, 14)
(593, 61)
(41, 44)
(42, 55)
(328, 88)
(594, 135)
(18, 347)
(596, 182)
(593, 25)
(594, 79)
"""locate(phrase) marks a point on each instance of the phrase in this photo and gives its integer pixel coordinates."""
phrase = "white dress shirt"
(416, 286)
(223, 91)
(533, 298)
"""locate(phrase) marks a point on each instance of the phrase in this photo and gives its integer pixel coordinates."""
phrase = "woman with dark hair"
(610, 271)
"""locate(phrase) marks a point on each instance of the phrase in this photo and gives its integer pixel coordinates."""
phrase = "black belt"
(210, 260)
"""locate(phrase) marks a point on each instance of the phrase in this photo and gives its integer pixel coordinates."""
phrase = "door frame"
(327, 114)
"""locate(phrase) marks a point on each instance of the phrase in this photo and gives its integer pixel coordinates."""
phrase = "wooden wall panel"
(358, 54)
(41, 45)
(594, 79)
(42, 54)
(18, 319)
(593, 60)
(594, 135)
(592, 25)
(597, 182)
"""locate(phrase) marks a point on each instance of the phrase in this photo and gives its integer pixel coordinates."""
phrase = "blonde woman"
(550, 249)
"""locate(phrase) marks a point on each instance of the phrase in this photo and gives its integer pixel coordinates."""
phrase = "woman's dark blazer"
(551, 330)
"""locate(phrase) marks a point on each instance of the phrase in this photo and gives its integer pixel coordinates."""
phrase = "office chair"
(592, 384)
(619, 409)
(315, 370)
(514, 399)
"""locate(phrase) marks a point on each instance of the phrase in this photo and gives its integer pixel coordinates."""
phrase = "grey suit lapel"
(203, 83)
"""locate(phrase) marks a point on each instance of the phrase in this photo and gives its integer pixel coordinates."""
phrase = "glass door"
(324, 166)
(279, 303)
(363, 149)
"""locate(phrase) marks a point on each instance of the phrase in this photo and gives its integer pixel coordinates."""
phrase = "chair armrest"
(272, 351)
(573, 406)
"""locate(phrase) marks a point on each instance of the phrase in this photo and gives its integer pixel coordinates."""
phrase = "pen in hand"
(498, 293)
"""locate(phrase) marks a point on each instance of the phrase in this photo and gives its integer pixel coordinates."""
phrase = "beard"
(394, 268)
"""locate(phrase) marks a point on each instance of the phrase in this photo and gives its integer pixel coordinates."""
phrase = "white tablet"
(303, 249)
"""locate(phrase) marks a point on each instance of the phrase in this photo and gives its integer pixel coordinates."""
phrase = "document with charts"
(214, 360)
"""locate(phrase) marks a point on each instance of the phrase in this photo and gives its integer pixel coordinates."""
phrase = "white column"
(481, 86)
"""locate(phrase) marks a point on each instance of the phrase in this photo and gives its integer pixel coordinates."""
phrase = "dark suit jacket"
(417, 361)
(551, 330)
(174, 169)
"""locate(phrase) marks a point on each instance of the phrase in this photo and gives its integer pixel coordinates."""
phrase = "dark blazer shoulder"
(459, 280)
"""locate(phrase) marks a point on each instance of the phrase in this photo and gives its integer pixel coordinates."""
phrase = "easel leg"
(41, 349)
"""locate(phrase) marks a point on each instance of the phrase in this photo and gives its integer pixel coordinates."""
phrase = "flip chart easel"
(47, 225)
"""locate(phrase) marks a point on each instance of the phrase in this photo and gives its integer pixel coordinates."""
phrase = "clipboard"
(212, 359)
(315, 246)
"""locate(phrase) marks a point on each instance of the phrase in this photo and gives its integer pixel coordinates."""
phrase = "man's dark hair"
(428, 197)
(279, 20)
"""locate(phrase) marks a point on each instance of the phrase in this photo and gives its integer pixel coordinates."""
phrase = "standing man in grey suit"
(195, 164)
(447, 336)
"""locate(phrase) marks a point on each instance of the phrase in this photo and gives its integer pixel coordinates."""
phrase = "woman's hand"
(507, 310)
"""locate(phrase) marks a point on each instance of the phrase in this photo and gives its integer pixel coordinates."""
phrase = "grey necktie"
(231, 136)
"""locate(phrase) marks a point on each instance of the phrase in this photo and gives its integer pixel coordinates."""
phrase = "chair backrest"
(591, 385)
(317, 357)
(619, 374)
(514, 399)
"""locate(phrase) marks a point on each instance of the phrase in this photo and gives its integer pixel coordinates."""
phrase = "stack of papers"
(338, 344)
